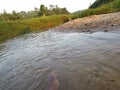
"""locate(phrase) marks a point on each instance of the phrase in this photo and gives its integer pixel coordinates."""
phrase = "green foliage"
(42, 9)
(37, 12)
(112, 6)
(54, 9)
(40, 13)
(14, 16)
(25, 31)
(65, 19)
(98, 3)
(10, 29)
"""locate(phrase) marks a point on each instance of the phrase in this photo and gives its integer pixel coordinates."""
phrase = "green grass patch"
(10, 29)
(25, 31)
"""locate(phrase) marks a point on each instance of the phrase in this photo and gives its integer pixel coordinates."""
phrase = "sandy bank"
(104, 22)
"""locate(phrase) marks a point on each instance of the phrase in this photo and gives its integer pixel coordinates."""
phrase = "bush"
(24, 31)
(65, 19)
(74, 17)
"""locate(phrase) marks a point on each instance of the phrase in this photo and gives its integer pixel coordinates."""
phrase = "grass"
(113, 6)
(10, 29)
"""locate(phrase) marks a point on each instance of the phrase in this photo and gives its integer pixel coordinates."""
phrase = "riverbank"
(104, 22)
(10, 29)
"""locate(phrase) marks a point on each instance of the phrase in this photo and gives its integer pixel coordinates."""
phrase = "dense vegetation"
(9, 29)
(37, 12)
(39, 19)
(98, 3)
(100, 7)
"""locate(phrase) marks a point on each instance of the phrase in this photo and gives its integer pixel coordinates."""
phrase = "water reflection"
(81, 61)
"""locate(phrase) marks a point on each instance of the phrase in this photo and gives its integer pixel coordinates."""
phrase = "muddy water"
(81, 61)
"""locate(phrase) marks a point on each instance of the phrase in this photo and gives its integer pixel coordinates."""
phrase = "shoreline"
(103, 22)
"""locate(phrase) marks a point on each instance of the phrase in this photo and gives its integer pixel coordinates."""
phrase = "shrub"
(74, 17)
(64, 19)
(24, 31)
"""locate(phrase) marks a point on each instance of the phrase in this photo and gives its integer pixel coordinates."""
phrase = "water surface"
(81, 61)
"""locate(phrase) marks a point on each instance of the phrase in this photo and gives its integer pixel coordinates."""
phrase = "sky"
(27, 5)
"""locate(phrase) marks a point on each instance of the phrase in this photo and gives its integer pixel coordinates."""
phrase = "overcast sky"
(27, 5)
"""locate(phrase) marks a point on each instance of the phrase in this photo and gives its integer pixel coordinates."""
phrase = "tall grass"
(10, 29)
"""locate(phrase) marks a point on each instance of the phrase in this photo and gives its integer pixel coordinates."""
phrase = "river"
(80, 61)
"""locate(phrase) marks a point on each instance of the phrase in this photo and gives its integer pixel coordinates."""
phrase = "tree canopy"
(98, 3)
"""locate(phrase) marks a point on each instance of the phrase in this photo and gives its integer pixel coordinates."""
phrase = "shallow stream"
(81, 61)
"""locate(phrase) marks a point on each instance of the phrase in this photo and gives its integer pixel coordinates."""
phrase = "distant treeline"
(98, 3)
(37, 12)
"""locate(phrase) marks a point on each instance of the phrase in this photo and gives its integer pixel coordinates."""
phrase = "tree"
(51, 7)
(14, 15)
(42, 9)
(56, 10)
(64, 11)
(35, 9)
(40, 13)
(5, 15)
(98, 3)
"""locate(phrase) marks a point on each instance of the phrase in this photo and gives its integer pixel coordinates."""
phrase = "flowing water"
(81, 61)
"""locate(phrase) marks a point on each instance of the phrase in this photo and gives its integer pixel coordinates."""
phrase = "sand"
(104, 22)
